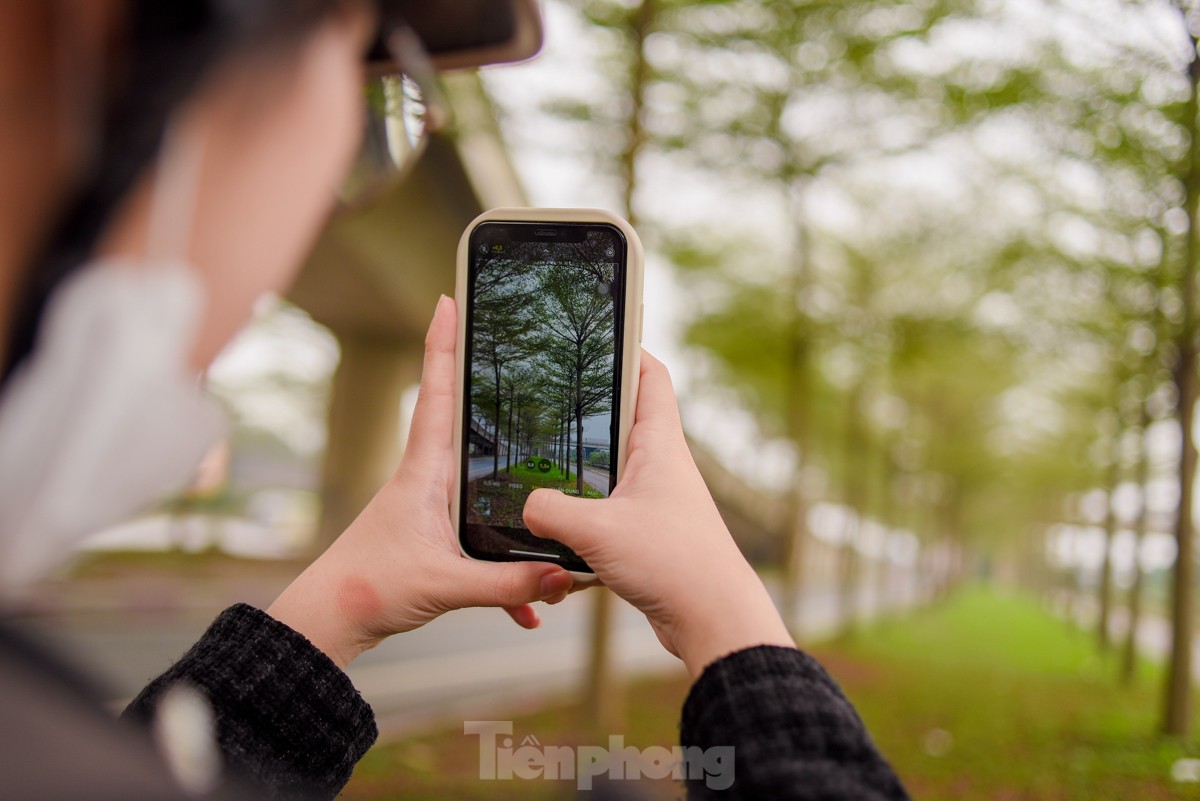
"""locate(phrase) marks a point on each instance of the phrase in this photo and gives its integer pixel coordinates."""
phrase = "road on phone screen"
(480, 466)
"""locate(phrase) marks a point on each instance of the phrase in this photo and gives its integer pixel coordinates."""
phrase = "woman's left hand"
(398, 565)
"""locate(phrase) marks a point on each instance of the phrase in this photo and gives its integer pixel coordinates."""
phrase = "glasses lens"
(395, 128)
(400, 114)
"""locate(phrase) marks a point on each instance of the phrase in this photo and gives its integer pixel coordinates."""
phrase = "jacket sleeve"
(288, 719)
(792, 732)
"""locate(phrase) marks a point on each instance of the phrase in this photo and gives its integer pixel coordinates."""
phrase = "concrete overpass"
(373, 279)
(482, 442)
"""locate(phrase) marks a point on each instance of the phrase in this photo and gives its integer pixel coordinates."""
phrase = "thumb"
(552, 515)
(507, 584)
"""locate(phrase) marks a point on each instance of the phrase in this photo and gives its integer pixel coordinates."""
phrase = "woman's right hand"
(660, 543)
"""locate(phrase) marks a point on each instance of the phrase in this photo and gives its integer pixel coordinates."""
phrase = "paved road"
(481, 466)
(598, 479)
(464, 663)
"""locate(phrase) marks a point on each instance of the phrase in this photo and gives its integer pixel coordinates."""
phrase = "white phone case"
(632, 333)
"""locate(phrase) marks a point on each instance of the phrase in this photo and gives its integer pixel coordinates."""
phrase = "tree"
(614, 136)
(500, 323)
(518, 383)
(1178, 717)
(578, 345)
(1129, 651)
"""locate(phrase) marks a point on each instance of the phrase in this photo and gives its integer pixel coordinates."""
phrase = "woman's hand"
(660, 543)
(398, 566)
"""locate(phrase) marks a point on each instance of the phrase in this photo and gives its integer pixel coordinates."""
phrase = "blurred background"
(925, 276)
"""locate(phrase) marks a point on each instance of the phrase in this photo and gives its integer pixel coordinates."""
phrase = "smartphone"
(549, 341)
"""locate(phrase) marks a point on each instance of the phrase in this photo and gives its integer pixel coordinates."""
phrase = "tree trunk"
(795, 533)
(885, 511)
(1110, 531)
(363, 427)
(848, 569)
(559, 438)
(1178, 713)
(496, 431)
(604, 711)
(953, 567)
(1178, 719)
(792, 558)
(520, 445)
(1129, 654)
(579, 452)
(508, 449)
(606, 699)
(852, 484)
(567, 449)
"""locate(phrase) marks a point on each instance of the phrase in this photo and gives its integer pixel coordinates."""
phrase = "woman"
(219, 135)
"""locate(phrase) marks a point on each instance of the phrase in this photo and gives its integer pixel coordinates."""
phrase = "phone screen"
(542, 394)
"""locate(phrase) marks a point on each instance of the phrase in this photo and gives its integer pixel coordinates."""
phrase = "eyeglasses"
(403, 104)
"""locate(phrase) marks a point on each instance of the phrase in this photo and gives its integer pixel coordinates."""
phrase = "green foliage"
(1030, 710)
(969, 339)
(599, 459)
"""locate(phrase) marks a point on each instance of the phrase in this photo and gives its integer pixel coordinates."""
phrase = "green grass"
(1031, 710)
(508, 502)
(553, 479)
(444, 764)
(983, 697)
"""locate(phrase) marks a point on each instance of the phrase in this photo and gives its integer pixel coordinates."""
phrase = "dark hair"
(168, 48)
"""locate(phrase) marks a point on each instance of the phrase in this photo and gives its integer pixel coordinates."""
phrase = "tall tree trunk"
(792, 557)
(848, 575)
(1129, 653)
(520, 445)
(605, 697)
(508, 450)
(852, 483)
(1110, 530)
(952, 568)
(496, 432)
(795, 532)
(885, 510)
(561, 438)
(1178, 713)
(567, 450)
(579, 451)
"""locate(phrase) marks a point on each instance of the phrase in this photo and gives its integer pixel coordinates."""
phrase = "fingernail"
(557, 599)
(555, 583)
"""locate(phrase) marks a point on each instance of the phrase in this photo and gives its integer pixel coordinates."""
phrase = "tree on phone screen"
(500, 337)
(579, 341)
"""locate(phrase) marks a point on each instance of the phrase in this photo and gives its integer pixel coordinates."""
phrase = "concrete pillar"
(365, 438)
